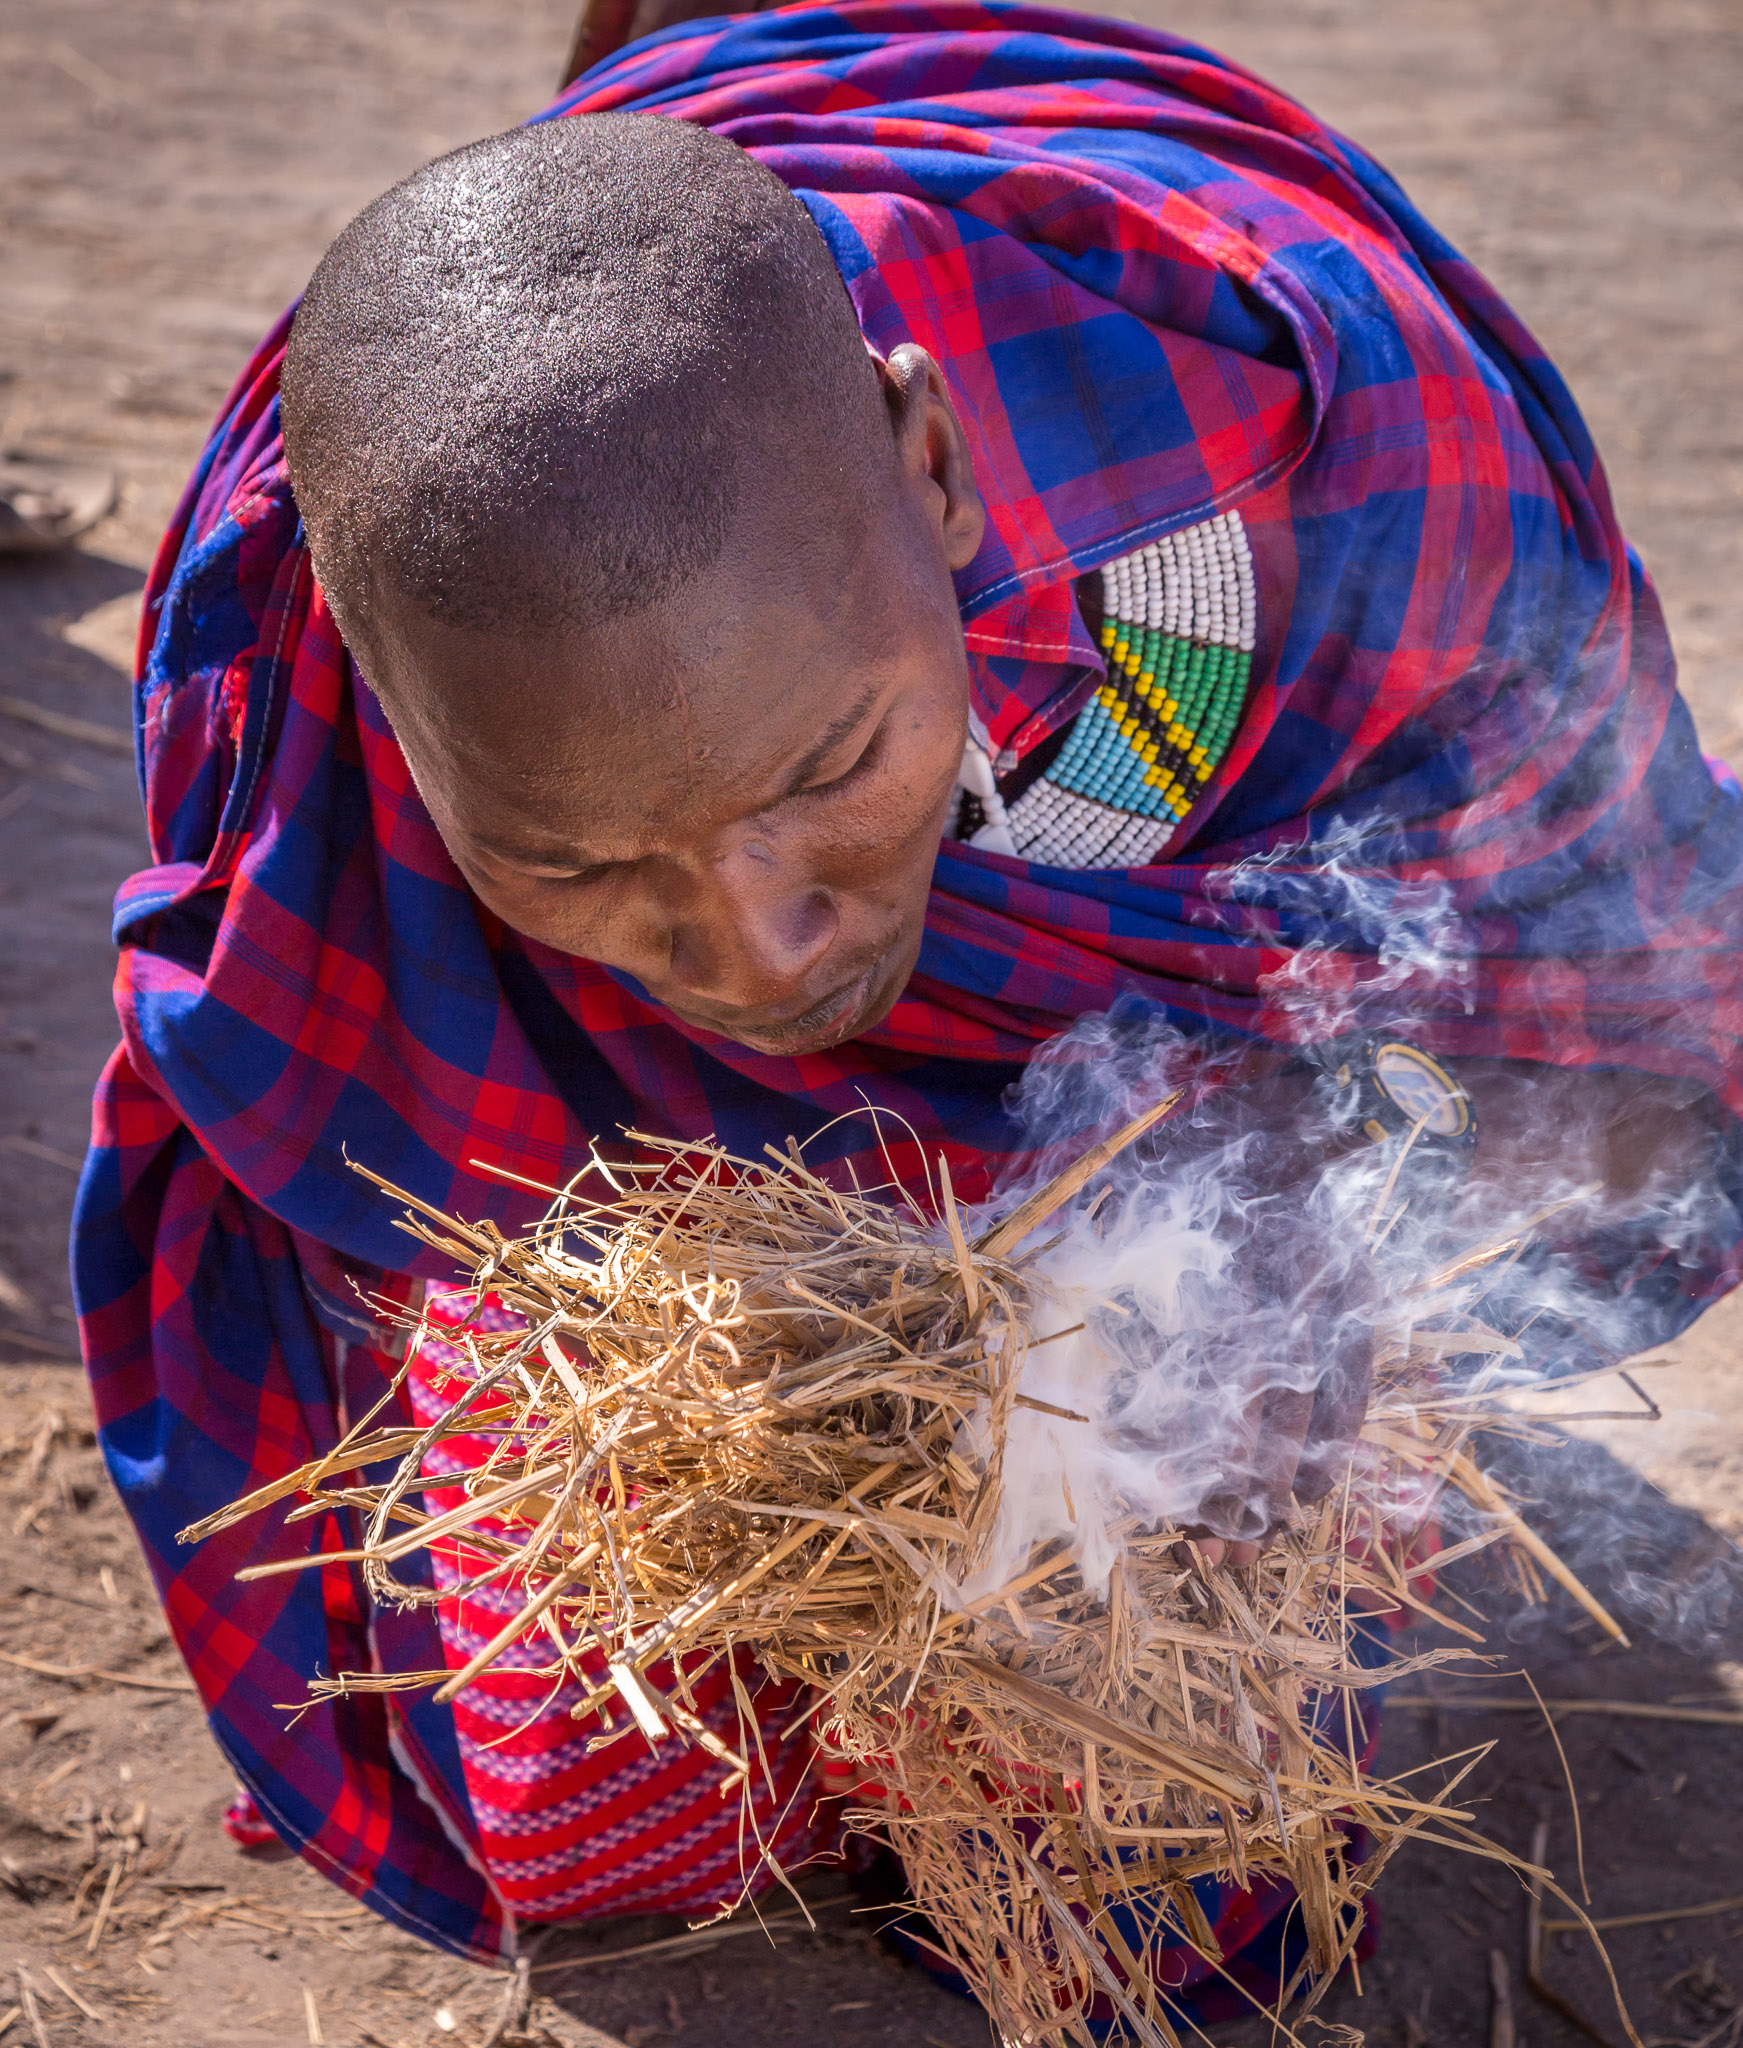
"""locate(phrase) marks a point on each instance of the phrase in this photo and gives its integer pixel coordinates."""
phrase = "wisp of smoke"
(1241, 1252)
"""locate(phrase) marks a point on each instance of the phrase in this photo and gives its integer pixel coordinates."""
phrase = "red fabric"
(570, 1830)
(245, 1824)
(1156, 289)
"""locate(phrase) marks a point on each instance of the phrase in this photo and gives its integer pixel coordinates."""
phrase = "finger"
(1286, 1420)
(1340, 1405)
(1204, 1549)
(1235, 1514)
(1253, 1508)
(1229, 1510)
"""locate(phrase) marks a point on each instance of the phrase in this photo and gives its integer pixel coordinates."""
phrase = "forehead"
(697, 709)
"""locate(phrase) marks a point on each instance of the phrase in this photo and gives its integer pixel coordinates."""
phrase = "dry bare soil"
(169, 173)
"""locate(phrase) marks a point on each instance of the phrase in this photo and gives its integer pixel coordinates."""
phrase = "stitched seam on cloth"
(402, 1753)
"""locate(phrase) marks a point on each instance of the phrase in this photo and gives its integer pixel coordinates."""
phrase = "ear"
(933, 450)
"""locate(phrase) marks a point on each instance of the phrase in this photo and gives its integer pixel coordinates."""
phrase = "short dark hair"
(523, 385)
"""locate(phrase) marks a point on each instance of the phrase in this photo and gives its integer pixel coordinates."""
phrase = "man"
(624, 663)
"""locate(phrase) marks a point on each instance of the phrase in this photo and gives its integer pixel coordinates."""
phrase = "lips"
(809, 1030)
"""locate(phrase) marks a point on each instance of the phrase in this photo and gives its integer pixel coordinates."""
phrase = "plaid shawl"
(1159, 289)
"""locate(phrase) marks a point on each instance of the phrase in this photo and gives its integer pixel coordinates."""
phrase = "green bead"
(1182, 660)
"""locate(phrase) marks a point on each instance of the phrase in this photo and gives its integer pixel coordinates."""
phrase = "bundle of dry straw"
(732, 1423)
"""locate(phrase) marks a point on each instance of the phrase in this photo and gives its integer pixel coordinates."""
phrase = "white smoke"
(1171, 1304)
(1340, 901)
(1233, 1260)
(1118, 1295)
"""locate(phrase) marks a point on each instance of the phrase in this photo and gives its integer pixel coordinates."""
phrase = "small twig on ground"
(1631, 1710)
(110, 737)
(517, 2000)
(50, 1156)
(76, 1671)
(1501, 2033)
(66, 1991)
(32, 2016)
(85, 1885)
(1704, 1911)
(1535, 1927)
(108, 1900)
(701, 1938)
(59, 1772)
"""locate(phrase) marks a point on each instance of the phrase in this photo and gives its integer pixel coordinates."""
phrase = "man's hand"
(1292, 1444)
(1284, 1358)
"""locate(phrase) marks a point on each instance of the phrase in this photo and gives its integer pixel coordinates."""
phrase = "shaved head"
(529, 388)
(649, 562)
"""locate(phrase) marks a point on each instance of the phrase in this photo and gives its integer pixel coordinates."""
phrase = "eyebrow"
(832, 737)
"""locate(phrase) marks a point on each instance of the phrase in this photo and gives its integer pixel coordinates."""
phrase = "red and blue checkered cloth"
(1159, 289)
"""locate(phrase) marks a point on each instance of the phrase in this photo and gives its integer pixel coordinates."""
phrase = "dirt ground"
(169, 173)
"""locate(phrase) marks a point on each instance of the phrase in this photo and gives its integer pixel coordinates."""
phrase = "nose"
(752, 930)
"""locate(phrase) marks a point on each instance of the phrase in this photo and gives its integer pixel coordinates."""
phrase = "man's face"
(734, 795)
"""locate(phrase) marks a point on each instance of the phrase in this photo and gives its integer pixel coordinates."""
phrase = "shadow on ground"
(1658, 1803)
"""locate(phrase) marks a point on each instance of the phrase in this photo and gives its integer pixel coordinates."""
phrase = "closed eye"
(524, 869)
(867, 758)
(573, 876)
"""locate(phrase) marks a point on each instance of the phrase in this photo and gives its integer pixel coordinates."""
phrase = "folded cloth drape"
(1159, 290)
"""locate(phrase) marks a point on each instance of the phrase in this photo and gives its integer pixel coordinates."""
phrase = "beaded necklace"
(1179, 623)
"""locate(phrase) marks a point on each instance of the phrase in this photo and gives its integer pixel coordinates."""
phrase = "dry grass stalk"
(731, 1425)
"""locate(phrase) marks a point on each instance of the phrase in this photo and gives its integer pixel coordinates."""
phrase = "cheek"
(882, 841)
(521, 913)
(560, 919)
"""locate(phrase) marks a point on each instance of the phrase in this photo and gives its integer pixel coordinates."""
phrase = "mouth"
(824, 1024)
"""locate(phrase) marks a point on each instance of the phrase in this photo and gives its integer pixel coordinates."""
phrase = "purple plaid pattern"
(1159, 290)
